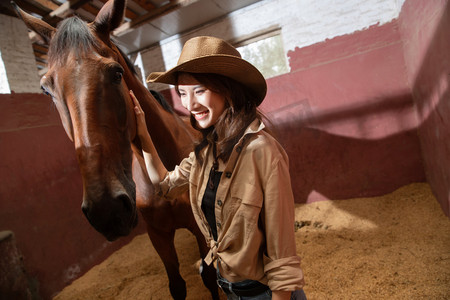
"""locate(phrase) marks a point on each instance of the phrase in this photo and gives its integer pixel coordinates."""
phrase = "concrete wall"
(18, 71)
(425, 28)
(344, 112)
(40, 195)
(301, 23)
(345, 116)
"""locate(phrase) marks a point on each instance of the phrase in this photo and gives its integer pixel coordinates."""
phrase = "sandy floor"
(391, 247)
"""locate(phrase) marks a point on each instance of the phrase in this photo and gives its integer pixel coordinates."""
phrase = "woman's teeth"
(201, 115)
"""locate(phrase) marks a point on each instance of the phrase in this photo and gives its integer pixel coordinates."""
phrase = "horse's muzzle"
(113, 216)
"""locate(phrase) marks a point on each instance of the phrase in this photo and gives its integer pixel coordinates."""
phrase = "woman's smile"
(200, 115)
(205, 105)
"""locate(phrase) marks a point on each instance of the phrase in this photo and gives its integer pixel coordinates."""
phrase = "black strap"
(254, 289)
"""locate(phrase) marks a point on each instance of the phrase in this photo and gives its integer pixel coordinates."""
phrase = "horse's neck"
(172, 138)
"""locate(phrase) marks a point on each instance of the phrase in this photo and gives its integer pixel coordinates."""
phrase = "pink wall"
(425, 28)
(345, 116)
(41, 195)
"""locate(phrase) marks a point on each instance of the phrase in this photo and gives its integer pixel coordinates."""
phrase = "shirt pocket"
(248, 200)
(247, 194)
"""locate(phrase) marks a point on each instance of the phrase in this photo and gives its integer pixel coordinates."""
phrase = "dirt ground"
(392, 247)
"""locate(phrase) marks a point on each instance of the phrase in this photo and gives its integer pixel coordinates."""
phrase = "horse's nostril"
(126, 202)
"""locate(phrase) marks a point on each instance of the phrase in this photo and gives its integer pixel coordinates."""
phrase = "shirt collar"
(254, 127)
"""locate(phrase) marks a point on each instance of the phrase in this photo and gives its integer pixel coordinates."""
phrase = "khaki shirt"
(254, 210)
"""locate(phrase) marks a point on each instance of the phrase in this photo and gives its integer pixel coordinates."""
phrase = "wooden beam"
(46, 4)
(153, 14)
(67, 8)
(90, 8)
(145, 4)
(40, 48)
(28, 7)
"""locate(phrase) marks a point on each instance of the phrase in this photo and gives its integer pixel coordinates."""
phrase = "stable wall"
(344, 112)
(345, 116)
(41, 194)
(18, 70)
(425, 28)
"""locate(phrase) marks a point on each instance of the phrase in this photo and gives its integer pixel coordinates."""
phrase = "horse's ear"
(109, 17)
(43, 29)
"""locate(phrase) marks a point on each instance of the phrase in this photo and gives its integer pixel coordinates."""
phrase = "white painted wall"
(302, 23)
(18, 71)
(4, 84)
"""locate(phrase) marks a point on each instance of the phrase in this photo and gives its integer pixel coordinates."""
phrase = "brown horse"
(88, 79)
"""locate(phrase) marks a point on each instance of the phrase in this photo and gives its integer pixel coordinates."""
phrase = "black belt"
(253, 289)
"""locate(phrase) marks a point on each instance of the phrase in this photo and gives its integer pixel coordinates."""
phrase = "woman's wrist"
(281, 295)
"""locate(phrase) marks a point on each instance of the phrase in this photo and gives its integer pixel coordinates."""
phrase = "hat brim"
(226, 65)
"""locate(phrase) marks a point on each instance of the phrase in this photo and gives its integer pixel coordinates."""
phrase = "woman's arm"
(155, 168)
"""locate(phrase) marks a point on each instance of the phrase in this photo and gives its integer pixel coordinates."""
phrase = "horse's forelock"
(72, 35)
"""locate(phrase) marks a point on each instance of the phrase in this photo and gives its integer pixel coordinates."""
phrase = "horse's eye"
(44, 90)
(118, 75)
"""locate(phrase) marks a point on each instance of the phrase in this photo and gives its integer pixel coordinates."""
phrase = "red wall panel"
(425, 28)
(41, 192)
(346, 116)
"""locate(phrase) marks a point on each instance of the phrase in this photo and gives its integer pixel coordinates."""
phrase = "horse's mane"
(73, 35)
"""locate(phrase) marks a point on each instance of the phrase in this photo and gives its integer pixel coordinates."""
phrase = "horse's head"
(85, 79)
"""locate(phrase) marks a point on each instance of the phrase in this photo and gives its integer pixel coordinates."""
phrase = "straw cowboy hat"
(205, 54)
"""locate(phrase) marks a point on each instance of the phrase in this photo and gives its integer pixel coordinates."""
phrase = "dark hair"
(239, 113)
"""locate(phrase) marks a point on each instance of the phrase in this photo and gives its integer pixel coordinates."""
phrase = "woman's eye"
(199, 92)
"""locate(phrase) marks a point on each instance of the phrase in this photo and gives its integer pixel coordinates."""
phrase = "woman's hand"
(281, 295)
(155, 168)
(141, 125)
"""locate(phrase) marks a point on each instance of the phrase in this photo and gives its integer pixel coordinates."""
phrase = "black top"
(209, 201)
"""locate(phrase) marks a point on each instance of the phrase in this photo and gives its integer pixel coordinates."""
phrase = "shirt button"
(228, 174)
(238, 149)
(219, 225)
(219, 202)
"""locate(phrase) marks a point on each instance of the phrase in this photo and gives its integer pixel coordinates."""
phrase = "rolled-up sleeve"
(177, 181)
(281, 263)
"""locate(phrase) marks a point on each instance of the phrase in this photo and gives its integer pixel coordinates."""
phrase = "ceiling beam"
(45, 4)
(153, 14)
(67, 8)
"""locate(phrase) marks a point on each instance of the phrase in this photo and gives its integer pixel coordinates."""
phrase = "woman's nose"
(188, 102)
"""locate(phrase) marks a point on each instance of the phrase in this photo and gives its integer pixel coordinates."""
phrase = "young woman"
(237, 175)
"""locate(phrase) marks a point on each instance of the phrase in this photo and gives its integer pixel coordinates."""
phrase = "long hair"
(240, 111)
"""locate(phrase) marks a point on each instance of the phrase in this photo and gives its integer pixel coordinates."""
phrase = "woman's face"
(205, 105)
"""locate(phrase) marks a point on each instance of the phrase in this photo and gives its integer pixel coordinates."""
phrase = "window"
(266, 53)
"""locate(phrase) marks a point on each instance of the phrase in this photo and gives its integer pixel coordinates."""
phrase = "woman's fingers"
(137, 105)
(135, 100)
(140, 116)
